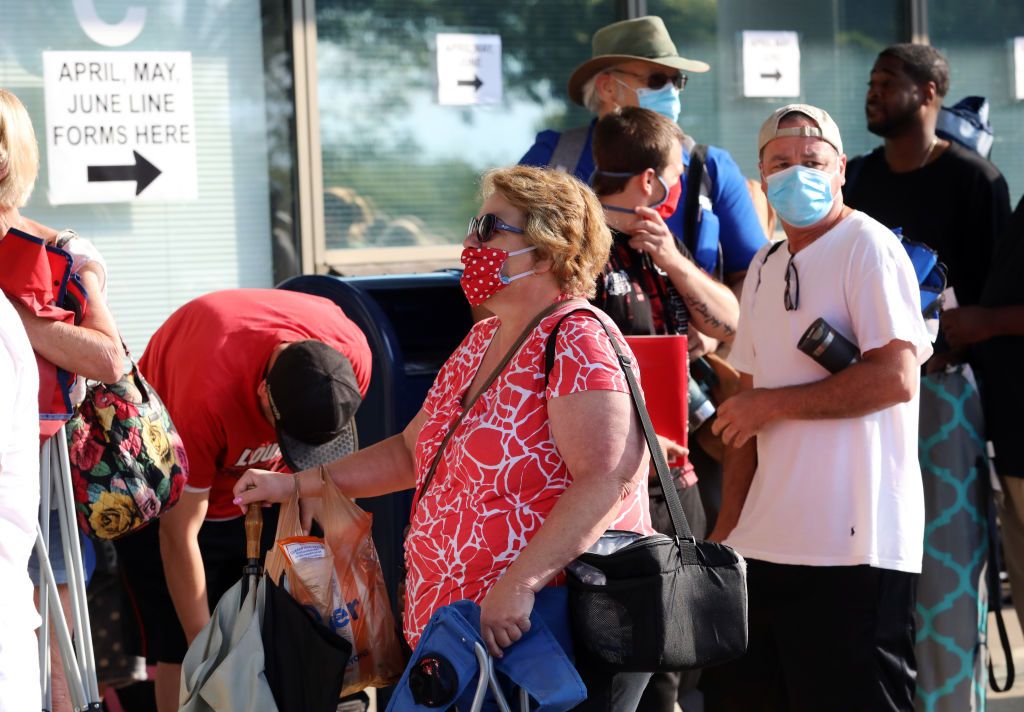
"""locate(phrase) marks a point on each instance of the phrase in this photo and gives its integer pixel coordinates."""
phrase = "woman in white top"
(93, 349)
(19, 505)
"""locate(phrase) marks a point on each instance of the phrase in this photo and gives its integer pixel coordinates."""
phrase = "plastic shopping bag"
(349, 597)
(288, 526)
(377, 659)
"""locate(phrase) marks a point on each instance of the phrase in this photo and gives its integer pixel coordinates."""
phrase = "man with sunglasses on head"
(265, 378)
(822, 489)
(635, 63)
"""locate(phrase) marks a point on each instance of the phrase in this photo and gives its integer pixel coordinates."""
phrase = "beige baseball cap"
(827, 130)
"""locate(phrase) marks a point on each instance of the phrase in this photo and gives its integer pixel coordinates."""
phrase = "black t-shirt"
(957, 205)
(1000, 360)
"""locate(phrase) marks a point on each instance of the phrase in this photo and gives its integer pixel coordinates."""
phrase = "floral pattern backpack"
(128, 464)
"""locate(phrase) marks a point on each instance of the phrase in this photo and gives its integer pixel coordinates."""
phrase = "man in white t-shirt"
(19, 510)
(822, 489)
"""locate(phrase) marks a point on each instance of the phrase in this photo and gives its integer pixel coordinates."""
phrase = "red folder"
(664, 366)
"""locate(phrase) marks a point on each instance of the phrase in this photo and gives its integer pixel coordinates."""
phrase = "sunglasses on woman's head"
(485, 226)
(658, 79)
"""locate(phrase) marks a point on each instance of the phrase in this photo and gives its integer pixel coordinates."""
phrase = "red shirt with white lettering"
(501, 474)
(207, 361)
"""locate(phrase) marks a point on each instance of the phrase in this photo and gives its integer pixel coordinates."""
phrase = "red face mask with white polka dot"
(482, 277)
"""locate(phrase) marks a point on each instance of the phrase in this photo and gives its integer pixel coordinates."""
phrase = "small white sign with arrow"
(1018, 67)
(771, 64)
(468, 69)
(120, 127)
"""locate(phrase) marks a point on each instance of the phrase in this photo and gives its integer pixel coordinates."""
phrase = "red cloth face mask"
(482, 277)
(667, 207)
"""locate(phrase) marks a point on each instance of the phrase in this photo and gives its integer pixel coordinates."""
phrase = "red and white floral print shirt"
(500, 474)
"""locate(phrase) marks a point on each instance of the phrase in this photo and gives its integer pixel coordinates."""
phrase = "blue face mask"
(800, 195)
(664, 101)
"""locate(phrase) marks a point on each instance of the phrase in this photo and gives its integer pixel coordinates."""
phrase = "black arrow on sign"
(776, 76)
(143, 172)
(474, 82)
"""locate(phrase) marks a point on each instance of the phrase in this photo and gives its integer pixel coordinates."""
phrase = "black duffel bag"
(660, 603)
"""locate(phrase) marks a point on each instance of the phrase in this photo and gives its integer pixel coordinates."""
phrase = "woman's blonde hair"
(564, 221)
(19, 152)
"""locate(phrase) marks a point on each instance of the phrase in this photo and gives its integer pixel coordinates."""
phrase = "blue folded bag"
(931, 274)
(447, 668)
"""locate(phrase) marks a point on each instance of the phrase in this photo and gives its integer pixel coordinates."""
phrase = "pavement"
(1012, 701)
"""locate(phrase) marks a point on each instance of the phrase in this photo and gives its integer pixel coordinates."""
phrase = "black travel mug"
(828, 347)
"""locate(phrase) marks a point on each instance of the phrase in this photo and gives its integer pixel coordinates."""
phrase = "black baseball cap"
(313, 395)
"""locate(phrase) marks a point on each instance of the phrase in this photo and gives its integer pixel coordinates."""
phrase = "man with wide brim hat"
(644, 39)
(636, 63)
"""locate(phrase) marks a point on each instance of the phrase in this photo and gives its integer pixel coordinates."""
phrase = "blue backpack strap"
(569, 149)
(693, 201)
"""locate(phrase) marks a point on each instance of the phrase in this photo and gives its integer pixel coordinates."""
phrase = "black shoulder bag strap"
(569, 150)
(992, 578)
(675, 507)
(691, 206)
(771, 251)
(486, 384)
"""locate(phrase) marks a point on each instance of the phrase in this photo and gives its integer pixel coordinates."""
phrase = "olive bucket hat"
(643, 38)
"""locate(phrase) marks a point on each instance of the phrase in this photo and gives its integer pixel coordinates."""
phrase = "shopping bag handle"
(253, 531)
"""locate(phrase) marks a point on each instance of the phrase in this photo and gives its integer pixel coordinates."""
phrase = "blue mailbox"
(412, 322)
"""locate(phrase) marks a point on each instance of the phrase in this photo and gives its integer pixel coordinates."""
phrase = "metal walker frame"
(77, 657)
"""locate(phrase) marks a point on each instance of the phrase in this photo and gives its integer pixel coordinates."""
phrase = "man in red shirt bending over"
(252, 378)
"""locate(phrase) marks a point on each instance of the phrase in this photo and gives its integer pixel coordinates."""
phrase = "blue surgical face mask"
(800, 195)
(664, 101)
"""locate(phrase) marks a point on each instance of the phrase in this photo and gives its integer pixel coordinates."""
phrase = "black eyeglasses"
(485, 226)
(791, 297)
(658, 79)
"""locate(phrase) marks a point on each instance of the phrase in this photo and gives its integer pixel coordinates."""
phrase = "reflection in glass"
(838, 44)
(281, 150)
(398, 168)
(976, 39)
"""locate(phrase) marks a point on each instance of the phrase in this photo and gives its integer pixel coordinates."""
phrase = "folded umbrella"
(303, 660)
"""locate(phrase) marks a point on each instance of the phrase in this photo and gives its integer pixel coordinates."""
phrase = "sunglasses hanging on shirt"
(791, 297)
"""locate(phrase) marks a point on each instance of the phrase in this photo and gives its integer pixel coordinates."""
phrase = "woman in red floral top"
(534, 472)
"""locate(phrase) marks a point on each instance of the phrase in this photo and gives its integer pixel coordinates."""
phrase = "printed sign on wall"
(468, 69)
(120, 126)
(771, 64)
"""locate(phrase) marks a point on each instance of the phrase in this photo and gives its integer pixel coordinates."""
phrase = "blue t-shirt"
(732, 220)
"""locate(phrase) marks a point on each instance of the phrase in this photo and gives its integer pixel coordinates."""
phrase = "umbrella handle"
(253, 530)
